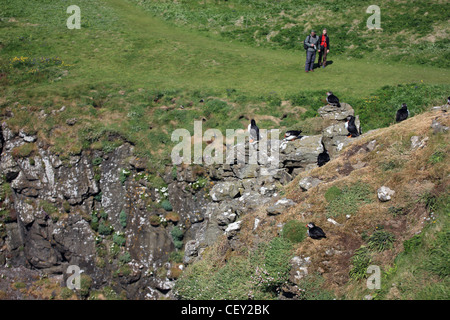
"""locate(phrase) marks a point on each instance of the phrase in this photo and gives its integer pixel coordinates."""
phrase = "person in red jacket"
(324, 48)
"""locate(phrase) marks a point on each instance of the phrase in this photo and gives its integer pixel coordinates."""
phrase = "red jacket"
(327, 41)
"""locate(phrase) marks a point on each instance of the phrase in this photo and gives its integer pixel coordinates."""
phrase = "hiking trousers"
(310, 58)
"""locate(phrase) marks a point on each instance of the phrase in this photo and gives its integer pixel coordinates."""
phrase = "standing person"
(324, 48)
(311, 44)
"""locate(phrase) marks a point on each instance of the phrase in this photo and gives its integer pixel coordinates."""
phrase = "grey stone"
(385, 194)
(336, 113)
(308, 183)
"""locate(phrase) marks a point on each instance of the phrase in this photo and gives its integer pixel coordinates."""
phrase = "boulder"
(308, 183)
(335, 137)
(330, 112)
(301, 152)
(233, 229)
(280, 206)
(385, 194)
(225, 190)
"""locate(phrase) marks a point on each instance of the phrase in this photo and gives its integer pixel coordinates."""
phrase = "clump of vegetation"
(256, 276)
(177, 237)
(166, 205)
(172, 217)
(23, 151)
(125, 257)
(123, 175)
(155, 220)
(123, 217)
(360, 261)
(104, 228)
(119, 238)
(347, 199)
(311, 286)
(294, 231)
(381, 240)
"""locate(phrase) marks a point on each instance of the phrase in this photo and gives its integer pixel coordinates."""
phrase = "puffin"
(351, 127)
(332, 99)
(448, 100)
(253, 131)
(291, 135)
(315, 232)
(323, 158)
(402, 113)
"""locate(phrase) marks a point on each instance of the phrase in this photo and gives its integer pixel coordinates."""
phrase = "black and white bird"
(332, 99)
(351, 127)
(315, 232)
(323, 158)
(253, 131)
(402, 113)
(291, 135)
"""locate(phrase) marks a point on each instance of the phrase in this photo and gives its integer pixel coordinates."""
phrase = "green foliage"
(119, 239)
(94, 222)
(104, 228)
(413, 243)
(312, 286)
(257, 276)
(348, 199)
(176, 256)
(125, 257)
(360, 261)
(439, 255)
(123, 175)
(294, 231)
(177, 237)
(97, 161)
(381, 240)
(437, 156)
(86, 284)
(333, 193)
(24, 150)
(123, 217)
(166, 205)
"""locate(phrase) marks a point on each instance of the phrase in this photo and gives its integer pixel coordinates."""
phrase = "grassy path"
(164, 56)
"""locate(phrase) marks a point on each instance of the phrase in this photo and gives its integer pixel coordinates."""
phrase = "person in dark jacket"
(311, 43)
(324, 48)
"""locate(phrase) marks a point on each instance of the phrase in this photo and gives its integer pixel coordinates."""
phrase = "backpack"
(305, 46)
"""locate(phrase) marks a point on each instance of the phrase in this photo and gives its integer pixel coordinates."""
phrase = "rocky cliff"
(104, 213)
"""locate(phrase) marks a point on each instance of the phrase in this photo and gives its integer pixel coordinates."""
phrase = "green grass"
(257, 275)
(123, 66)
(347, 199)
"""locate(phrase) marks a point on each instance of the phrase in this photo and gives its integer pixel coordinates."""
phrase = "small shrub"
(176, 256)
(155, 220)
(381, 240)
(360, 261)
(166, 205)
(86, 284)
(104, 228)
(294, 231)
(123, 218)
(125, 258)
(94, 222)
(119, 239)
(123, 175)
(97, 161)
(177, 237)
